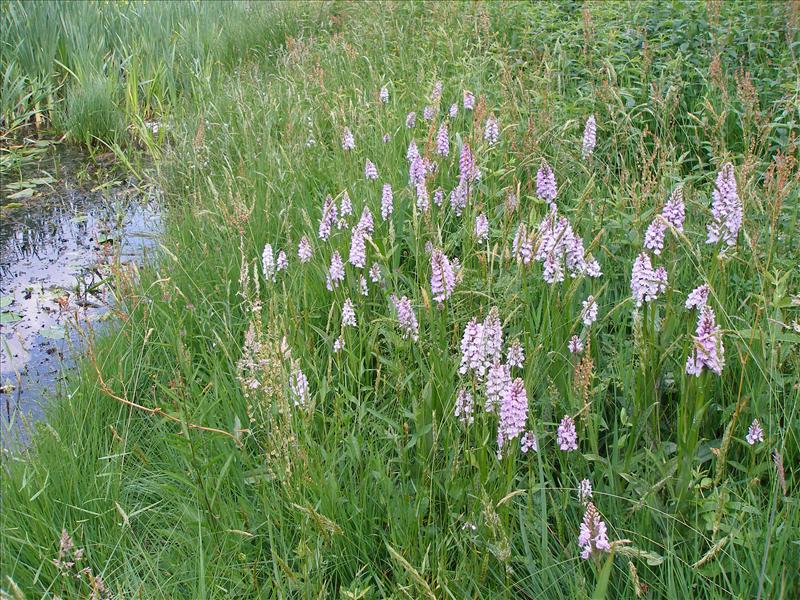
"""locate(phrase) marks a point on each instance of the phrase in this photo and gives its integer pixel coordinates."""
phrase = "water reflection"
(56, 254)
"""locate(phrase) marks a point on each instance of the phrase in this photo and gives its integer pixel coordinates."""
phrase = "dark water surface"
(57, 252)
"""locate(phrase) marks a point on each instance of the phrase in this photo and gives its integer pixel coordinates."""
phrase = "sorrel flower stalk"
(726, 210)
(443, 280)
(589, 137)
(593, 537)
(68, 554)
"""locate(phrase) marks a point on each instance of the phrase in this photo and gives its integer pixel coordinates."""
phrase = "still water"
(59, 249)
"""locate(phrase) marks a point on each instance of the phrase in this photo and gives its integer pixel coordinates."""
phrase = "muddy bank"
(60, 245)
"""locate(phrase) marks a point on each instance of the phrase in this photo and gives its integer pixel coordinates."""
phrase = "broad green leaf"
(8, 316)
(26, 193)
(53, 332)
(601, 589)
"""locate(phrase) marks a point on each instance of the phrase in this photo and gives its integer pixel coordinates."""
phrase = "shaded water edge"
(67, 230)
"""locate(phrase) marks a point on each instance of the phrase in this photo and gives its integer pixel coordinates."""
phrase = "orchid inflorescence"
(492, 374)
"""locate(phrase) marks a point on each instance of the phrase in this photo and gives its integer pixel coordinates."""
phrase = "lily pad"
(53, 332)
(30, 183)
(9, 316)
(97, 316)
(53, 293)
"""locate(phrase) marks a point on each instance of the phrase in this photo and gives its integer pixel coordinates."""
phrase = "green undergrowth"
(373, 488)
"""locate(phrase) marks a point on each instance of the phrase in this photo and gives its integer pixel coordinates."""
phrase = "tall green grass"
(99, 70)
(376, 490)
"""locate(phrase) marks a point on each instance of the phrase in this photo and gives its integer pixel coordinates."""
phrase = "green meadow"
(237, 433)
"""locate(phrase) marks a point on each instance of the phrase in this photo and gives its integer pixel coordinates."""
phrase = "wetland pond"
(60, 241)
